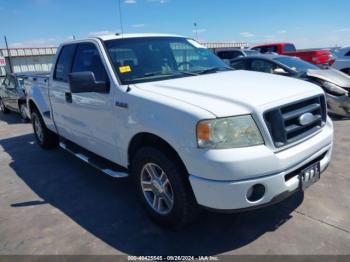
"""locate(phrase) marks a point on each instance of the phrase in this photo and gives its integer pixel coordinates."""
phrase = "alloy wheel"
(38, 129)
(157, 188)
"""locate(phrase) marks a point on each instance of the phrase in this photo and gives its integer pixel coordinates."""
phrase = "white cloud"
(42, 42)
(159, 1)
(246, 34)
(342, 30)
(138, 25)
(281, 32)
(103, 32)
(200, 30)
(130, 1)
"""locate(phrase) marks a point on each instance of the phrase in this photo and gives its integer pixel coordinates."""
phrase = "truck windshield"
(296, 64)
(147, 59)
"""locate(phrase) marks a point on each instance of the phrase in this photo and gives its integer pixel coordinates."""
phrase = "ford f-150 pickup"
(188, 130)
(317, 57)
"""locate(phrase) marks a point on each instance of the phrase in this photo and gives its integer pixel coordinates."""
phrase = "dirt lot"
(53, 203)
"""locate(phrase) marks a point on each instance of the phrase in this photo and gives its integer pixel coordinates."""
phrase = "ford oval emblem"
(306, 119)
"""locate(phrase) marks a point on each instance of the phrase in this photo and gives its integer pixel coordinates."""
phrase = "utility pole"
(195, 30)
(8, 54)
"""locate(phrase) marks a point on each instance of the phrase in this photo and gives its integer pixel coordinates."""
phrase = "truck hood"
(233, 92)
(331, 75)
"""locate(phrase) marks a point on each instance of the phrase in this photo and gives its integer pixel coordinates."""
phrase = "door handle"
(68, 96)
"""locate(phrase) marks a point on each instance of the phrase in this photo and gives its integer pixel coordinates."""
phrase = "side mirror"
(280, 71)
(85, 82)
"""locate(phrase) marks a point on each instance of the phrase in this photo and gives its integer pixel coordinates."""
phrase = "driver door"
(91, 115)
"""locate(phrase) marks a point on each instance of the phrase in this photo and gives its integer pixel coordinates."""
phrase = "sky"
(307, 23)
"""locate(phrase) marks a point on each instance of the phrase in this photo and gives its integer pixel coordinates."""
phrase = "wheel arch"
(32, 106)
(148, 139)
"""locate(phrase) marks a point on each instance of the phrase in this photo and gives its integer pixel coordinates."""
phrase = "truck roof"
(274, 44)
(121, 36)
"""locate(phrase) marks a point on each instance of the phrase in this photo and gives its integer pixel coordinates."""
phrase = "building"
(26, 59)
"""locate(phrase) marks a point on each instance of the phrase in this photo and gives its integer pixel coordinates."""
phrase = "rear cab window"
(266, 49)
(289, 48)
(64, 62)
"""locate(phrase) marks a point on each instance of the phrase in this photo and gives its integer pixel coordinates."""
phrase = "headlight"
(333, 88)
(230, 132)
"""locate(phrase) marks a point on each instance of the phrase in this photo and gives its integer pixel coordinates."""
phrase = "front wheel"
(45, 137)
(164, 188)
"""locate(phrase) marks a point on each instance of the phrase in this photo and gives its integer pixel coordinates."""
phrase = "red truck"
(317, 57)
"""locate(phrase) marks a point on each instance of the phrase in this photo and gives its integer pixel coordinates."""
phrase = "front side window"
(347, 54)
(147, 59)
(88, 59)
(63, 65)
(239, 65)
(262, 66)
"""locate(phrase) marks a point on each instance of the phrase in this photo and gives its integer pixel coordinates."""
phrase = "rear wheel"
(45, 137)
(22, 110)
(164, 188)
(3, 108)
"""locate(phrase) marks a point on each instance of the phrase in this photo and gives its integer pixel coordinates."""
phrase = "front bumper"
(231, 194)
(338, 105)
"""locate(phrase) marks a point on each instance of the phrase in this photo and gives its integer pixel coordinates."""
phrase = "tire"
(23, 113)
(177, 206)
(3, 108)
(45, 137)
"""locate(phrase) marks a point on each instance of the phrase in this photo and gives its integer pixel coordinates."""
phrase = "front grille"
(284, 122)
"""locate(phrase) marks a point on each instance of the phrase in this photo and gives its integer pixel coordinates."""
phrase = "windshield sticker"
(124, 69)
(195, 43)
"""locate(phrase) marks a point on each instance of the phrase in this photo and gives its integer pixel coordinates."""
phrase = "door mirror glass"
(85, 82)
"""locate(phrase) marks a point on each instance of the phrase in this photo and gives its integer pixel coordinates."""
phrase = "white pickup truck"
(190, 131)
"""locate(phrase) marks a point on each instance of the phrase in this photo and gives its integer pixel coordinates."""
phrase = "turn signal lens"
(203, 131)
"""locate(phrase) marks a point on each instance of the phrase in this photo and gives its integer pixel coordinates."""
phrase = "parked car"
(170, 114)
(229, 54)
(12, 94)
(317, 57)
(342, 60)
(335, 83)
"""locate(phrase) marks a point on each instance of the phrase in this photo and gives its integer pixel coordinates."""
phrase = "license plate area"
(309, 175)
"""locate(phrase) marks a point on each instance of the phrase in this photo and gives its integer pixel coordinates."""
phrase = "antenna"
(195, 29)
(121, 18)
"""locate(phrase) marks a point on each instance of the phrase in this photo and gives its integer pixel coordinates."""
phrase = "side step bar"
(95, 161)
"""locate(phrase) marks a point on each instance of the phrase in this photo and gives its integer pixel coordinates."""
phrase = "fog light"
(256, 192)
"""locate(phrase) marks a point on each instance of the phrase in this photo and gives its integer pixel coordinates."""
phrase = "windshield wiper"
(160, 73)
(214, 70)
